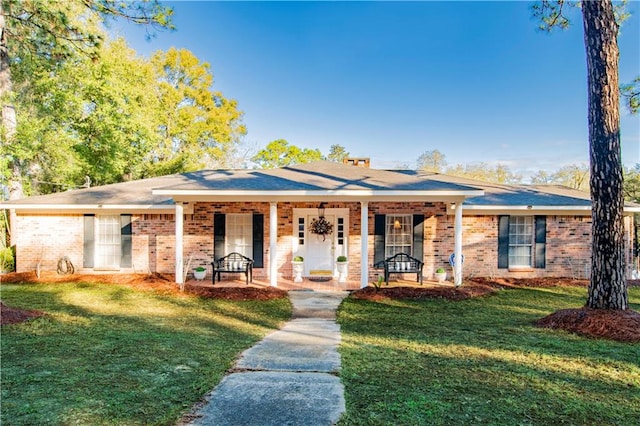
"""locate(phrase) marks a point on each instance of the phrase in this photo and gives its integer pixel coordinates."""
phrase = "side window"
(107, 242)
(521, 241)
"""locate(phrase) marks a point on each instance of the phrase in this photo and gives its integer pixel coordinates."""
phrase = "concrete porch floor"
(307, 284)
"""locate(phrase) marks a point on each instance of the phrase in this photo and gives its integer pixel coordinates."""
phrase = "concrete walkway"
(290, 377)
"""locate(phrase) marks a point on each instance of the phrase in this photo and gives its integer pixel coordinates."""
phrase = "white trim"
(528, 210)
(179, 212)
(364, 244)
(273, 244)
(348, 193)
(96, 208)
(457, 251)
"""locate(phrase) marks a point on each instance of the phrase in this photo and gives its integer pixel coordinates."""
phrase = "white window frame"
(398, 240)
(107, 244)
(239, 233)
(521, 241)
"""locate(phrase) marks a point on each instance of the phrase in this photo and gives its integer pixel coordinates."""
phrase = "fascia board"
(550, 210)
(205, 195)
(91, 208)
(523, 210)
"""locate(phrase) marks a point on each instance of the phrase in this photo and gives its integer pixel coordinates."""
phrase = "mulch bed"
(623, 326)
(238, 293)
(468, 290)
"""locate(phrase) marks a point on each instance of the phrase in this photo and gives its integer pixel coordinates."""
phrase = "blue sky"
(391, 80)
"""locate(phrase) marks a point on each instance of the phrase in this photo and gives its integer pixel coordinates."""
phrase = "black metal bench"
(233, 263)
(401, 263)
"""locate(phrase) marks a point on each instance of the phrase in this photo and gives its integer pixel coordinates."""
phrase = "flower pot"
(342, 271)
(298, 269)
(441, 276)
(199, 275)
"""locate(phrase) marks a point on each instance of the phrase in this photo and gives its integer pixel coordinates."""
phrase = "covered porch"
(285, 204)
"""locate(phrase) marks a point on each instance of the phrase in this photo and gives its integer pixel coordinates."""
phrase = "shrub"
(7, 260)
(298, 259)
(342, 258)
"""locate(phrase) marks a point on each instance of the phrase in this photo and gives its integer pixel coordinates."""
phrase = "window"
(239, 234)
(520, 241)
(399, 235)
(301, 231)
(107, 245)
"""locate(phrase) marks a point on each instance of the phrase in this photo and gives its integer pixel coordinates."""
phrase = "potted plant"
(341, 263)
(441, 275)
(298, 268)
(199, 273)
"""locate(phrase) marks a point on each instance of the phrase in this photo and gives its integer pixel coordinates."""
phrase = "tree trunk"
(607, 289)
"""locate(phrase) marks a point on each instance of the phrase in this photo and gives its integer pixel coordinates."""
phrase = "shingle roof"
(316, 178)
(517, 195)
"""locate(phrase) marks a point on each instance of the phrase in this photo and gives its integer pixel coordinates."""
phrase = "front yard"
(480, 361)
(110, 354)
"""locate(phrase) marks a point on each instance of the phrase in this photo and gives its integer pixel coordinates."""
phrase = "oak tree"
(432, 161)
(47, 34)
(199, 127)
(280, 153)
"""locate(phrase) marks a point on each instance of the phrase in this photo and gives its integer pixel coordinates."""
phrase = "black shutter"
(541, 241)
(125, 241)
(418, 237)
(379, 225)
(218, 235)
(503, 242)
(88, 241)
(258, 240)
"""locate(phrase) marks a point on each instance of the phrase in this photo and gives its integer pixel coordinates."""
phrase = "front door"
(319, 260)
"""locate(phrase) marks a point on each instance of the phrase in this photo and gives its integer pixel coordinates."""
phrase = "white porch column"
(273, 244)
(364, 244)
(179, 243)
(457, 268)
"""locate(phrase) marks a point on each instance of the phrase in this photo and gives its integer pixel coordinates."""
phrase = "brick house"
(158, 224)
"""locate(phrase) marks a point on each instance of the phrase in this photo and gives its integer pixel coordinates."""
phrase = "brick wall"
(46, 238)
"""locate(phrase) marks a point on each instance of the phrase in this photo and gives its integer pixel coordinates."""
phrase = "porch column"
(364, 244)
(179, 243)
(273, 244)
(457, 268)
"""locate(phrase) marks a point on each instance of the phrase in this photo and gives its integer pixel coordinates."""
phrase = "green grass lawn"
(482, 362)
(109, 354)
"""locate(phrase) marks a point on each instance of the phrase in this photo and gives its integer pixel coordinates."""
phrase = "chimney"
(358, 162)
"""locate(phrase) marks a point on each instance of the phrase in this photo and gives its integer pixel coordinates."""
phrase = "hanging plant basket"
(321, 226)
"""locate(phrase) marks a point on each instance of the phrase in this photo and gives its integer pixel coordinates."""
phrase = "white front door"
(320, 253)
(319, 260)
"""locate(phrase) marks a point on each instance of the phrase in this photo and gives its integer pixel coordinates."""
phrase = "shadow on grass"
(482, 361)
(109, 354)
